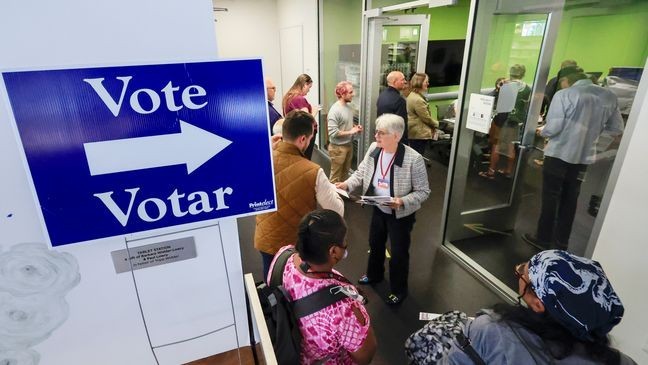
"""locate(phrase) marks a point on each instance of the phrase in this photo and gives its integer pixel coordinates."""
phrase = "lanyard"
(304, 266)
(384, 173)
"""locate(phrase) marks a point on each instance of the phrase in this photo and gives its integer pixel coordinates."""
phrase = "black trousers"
(561, 182)
(398, 230)
(419, 145)
(309, 150)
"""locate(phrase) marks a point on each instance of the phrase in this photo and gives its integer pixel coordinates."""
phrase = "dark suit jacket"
(273, 115)
(391, 101)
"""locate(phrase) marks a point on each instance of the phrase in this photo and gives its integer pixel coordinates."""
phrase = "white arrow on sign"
(193, 146)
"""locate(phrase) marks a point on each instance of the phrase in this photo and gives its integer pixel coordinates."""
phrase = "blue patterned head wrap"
(576, 293)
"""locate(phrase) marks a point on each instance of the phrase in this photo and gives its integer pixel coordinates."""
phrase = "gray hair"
(392, 123)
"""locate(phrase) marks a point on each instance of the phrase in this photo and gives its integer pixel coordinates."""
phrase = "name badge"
(383, 183)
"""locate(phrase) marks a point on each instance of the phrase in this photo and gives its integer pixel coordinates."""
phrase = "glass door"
(390, 42)
(510, 48)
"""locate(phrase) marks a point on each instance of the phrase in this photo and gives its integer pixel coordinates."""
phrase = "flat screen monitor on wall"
(632, 73)
(443, 63)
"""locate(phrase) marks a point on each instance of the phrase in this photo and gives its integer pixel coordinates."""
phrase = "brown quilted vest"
(295, 178)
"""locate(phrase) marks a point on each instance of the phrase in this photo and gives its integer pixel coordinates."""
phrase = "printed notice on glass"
(159, 253)
(480, 110)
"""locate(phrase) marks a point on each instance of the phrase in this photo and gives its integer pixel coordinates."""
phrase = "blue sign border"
(56, 113)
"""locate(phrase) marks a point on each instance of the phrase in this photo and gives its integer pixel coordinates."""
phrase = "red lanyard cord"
(382, 172)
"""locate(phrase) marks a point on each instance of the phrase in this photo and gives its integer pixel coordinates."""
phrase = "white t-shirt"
(384, 166)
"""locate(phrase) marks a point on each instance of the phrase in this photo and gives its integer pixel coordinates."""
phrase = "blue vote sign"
(118, 150)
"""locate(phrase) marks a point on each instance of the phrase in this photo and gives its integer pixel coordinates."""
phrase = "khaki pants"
(340, 155)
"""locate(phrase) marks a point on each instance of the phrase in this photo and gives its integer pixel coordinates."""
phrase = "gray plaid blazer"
(408, 175)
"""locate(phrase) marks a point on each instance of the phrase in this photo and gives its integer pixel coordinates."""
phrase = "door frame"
(480, 17)
(502, 216)
(370, 61)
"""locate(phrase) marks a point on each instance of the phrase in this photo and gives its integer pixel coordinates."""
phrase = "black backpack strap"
(317, 301)
(276, 276)
(465, 346)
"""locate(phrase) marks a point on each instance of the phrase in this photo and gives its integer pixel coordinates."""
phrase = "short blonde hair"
(416, 82)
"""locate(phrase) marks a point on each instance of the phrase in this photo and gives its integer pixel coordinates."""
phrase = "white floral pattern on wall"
(33, 283)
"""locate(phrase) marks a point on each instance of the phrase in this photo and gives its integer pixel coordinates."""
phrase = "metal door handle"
(528, 146)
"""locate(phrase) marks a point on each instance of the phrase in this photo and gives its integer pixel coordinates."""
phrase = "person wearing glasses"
(390, 169)
(340, 333)
(273, 114)
(570, 307)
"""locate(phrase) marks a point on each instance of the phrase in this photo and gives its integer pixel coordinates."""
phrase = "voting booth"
(125, 147)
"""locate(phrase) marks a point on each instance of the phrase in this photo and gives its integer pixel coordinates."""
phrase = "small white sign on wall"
(480, 111)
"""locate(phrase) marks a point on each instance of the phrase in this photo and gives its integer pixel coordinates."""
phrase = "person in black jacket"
(390, 100)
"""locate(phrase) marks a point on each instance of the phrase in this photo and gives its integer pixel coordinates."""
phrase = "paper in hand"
(375, 200)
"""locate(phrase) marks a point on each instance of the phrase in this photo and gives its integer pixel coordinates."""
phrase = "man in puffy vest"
(300, 186)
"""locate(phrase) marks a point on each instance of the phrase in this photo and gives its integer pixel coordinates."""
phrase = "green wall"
(342, 25)
(597, 38)
(448, 22)
(601, 38)
(510, 47)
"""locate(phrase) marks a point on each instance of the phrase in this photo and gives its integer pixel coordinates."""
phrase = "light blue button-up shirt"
(577, 116)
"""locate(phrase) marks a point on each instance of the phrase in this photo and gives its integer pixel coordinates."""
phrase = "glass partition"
(488, 214)
(514, 44)
(341, 25)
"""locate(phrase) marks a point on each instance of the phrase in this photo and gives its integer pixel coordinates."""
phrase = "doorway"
(492, 202)
(390, 43)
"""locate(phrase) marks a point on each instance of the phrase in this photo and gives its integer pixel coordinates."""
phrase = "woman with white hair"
(390, 169)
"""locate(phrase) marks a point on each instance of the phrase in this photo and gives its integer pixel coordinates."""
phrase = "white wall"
(250, 28)
(105, 323)
(623, 240)
(254, 28)
(303, 13)
(35, 34)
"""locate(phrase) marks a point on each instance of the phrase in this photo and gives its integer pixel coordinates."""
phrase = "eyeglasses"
(381, 133)
(519, 273)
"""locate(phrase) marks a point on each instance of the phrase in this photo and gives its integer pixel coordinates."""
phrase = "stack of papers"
(375, 200)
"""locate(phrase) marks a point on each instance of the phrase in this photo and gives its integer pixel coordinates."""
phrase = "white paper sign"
(507, 96)
(480, 110)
